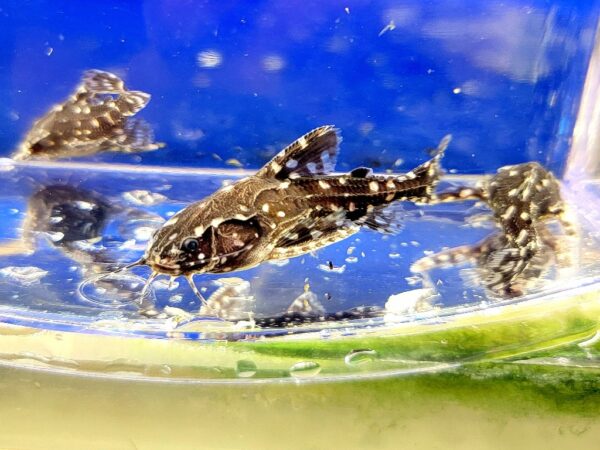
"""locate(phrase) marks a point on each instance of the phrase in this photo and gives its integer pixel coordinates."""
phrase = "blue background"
(503, 77)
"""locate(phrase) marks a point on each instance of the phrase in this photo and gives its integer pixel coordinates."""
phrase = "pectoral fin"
(312, 234)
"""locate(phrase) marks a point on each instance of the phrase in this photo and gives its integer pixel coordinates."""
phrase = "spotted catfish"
(97, 117)
(293, 205)
(511, 261)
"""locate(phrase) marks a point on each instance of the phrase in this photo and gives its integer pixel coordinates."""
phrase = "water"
(66, 227)
(427, 357)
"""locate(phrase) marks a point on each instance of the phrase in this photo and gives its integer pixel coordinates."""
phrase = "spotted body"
(513, 259)
(293, 205)
(97, 117)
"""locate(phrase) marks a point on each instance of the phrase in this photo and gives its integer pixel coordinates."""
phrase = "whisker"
(190, 280)
(139, 262)
(149, 281)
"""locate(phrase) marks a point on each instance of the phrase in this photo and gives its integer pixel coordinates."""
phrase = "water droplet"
(366, 127)
(55, 236)
(209, 59)
(139, 230)
(332, 269)
(279, 262)
(23, 275)
(169, 285)
(245, 368)
(176, 299)
(360, 357)
(143, 197)
(273, 63)
(85, 206)
(143, 234)
(234, 163)
(305, 369)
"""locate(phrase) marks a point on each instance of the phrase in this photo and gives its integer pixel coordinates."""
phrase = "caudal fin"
(419, 184)
(431, 170)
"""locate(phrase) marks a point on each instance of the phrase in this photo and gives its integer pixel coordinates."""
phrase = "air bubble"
(305, 369)
(360, 357)
(114, 290)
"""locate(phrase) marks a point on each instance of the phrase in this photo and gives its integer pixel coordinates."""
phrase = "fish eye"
(190, 245)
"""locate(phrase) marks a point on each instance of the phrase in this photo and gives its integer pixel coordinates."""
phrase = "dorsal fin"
(313, 154)
(361, 172)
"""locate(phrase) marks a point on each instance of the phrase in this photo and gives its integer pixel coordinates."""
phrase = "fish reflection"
(97, 117)
(73, 220)
(525, 199)
(234, 302)
(231, 301)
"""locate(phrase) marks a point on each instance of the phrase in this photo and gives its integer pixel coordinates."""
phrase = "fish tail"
(444, 259)
(461, 194)
(419, 184)
(130, 102)
(135, 136)
(432, 169)
(415, 186)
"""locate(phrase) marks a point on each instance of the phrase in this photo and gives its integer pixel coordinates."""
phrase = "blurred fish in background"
(97, 117)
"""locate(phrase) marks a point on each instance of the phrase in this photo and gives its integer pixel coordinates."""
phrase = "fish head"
(196, 240)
